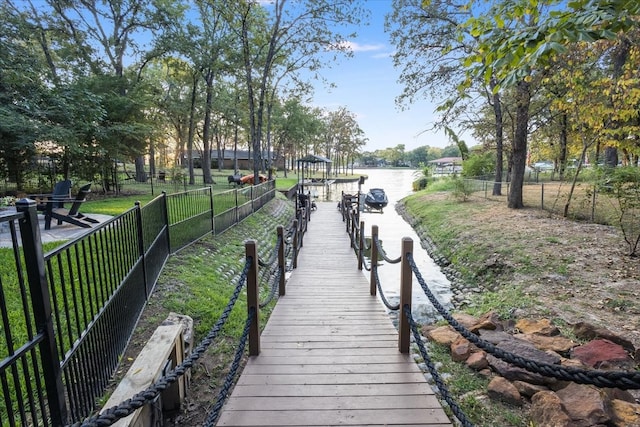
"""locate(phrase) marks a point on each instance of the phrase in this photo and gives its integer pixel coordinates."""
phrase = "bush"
(478, 165)
(420, 183)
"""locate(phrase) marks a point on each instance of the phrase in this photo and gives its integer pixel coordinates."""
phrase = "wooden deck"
(329, 353)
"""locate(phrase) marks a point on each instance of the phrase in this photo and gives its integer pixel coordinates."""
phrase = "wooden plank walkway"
(329, 352)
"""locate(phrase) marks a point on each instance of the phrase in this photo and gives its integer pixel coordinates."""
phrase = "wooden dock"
(329, 352)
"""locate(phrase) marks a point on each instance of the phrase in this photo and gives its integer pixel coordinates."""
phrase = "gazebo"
(304, 173)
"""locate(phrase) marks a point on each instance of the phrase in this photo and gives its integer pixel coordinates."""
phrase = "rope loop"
(384, 254)
(382, 297)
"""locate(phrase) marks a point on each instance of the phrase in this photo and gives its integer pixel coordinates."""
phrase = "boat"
(376, 199)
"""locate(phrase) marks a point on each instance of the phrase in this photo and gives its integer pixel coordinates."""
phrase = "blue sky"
(367, 86)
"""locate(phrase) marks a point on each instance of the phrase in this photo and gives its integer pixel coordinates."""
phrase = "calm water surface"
(391, 229)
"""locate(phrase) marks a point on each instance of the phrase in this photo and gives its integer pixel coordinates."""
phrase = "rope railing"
(383, 254)
(610, 379)
(231, 375)
(437, 379)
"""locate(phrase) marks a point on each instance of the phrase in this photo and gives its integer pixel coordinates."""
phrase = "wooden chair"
(61, 192)
(72, 215)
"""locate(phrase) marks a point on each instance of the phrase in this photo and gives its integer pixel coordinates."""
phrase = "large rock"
(547, 410)
(461, 349)
(588, 331)
(540, 327)
(495, 337)
(603, 354)
(557, 343)
(478, 361)
(444, 335)
(501, 389)
(585, 404)
(625, 414)
(526, 351)
(527, 389)
(465, 319)
(490, 321)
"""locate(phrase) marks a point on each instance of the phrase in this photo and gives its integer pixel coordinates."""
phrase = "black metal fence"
(67, 315)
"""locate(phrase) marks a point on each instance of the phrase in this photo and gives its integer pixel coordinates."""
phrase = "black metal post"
(41, 304)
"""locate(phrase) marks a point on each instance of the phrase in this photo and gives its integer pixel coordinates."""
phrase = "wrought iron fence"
(67, 315)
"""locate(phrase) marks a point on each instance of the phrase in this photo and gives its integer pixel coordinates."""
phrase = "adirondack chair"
(72, 215)
(61, 192)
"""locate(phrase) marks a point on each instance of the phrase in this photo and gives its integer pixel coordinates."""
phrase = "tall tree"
(307, 29)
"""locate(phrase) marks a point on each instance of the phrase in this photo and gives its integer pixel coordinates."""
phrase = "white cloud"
(357, 47)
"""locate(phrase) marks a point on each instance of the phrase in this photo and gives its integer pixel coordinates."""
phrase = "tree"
(519, 38)
(301, 29)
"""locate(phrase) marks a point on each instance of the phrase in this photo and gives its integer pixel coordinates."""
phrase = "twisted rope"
(444, 390)
(274, 254)
(126, 408)
(384, 254)
(610, 379)
(228, 381)
(274, 286)
(384, 299)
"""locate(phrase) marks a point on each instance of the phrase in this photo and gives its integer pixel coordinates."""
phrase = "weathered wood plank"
(329, 352)
(254, 369)
(336, 416)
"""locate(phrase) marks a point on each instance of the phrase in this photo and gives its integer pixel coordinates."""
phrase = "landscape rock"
(526, 351)
(585, 404)
(557, 343)
(540, 327)
(588, 331)
(495, 337)
(527, 389)
(625, 414)
(465, 320)
(444, 335)
(489, 321)
(547, 410)
(603, 354)
(501, 389)
(477, 361)
(461, 350)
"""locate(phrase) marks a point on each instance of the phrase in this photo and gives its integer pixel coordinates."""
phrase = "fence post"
(41, 304)
(406, 277)
(361, 245)
(295, 243)
(251, 251)
(141, 248)
(165, 211)
(213, 213)
(281, 260)
(542, 196)
(374, 260)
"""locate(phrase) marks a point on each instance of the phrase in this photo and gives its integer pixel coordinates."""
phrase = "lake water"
(391, 229)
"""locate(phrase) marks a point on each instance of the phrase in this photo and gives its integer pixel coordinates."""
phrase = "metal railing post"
(251, 251)
(281, 259)
(165, 212)
(361, 245)
(42, 313)
(374, 260)
(141, 248)
(295, 243)
(406, 277)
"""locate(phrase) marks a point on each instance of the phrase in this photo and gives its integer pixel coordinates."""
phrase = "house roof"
(312, 158)
(447, 160)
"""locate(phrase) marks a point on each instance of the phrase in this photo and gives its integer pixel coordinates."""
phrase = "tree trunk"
(519, 154)
(563, 146)
(611, 157)
(497, 112)
(141, 175)
(191, 132)
(206, 132)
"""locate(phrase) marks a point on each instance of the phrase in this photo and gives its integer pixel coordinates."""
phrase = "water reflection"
(391, 229)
